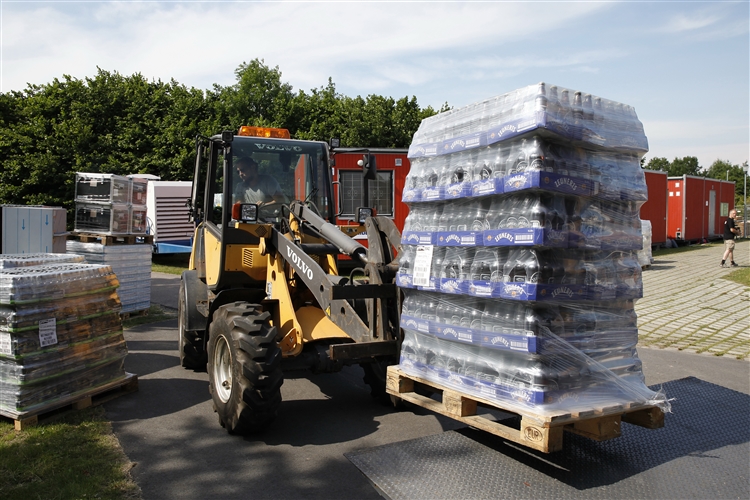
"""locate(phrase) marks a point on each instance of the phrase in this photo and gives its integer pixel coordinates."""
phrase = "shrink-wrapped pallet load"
(518, 259)
(132, 265)
(60, 331)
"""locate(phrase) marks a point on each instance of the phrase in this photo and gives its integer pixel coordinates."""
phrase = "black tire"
(191, 345)
(375, 377)
(244, 367)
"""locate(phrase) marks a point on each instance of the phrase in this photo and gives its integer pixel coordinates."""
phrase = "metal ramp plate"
(703, 451)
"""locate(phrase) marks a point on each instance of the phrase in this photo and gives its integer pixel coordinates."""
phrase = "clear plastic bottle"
(442, 165)
(466, 254)
(484, 165)
(517, 161)
(531, 264)
(430, 174)
(540, 102)
(510, 212)
(432, 220)
(588, 112)
(406, 260)
(449, 215)
(471, 314)
(513, 269)
(577, 113)
(485, 266)
(494, 213)
(409, 306)
(565, 111)
(415, 173)
(552, 270)
(539, 161)
(451, 264)
(524, 208)
(429, 306)
(465, 216)
(479, 209)
(438, 256)
(553, 105)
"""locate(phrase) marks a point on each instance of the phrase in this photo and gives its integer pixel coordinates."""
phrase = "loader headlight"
(363, 213)
(245, 212)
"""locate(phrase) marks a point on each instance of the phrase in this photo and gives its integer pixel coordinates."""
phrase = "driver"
(254, 187)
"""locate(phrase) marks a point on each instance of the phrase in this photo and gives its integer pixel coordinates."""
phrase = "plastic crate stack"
(110, 204)
(131, 264)
(519, 252)
(60, 331)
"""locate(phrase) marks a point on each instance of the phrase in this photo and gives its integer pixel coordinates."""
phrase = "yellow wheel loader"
(262, 293)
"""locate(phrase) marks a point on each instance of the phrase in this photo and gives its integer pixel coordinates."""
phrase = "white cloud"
(695, 21)
(706, 140)
(199, 44)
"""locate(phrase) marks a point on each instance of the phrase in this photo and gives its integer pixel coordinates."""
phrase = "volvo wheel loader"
(262, 293)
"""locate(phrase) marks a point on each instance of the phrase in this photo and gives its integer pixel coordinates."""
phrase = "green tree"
(724, 170)
(687, 165)
(259, 97)
(658, 163)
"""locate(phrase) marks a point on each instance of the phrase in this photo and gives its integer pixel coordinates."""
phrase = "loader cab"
(277, 170)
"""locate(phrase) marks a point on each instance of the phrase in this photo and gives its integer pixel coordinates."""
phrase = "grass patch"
(73, 456)
(741, 276)
(668, 251)
(170, 263)
(155, 313)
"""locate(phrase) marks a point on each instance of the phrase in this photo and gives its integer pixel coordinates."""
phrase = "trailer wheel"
(191, 346)
(244, 371)
(375, 377)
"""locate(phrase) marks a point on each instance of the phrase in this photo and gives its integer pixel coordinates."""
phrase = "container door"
(711, 213)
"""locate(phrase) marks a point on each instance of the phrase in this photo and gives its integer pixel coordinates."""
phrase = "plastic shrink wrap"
(519, 254)
(60, 332)
(645, 257)
(131, 264)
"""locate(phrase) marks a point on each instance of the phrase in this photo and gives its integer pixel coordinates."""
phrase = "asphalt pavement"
(169, 430)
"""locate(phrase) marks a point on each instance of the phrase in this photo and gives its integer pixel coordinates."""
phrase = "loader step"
(540, 432)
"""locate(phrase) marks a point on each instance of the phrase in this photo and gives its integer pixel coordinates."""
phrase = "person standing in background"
(730, 231)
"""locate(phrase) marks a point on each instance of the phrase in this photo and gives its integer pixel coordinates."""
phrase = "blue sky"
(684, 66)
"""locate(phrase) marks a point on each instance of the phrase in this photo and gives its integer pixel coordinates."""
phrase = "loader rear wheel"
(244, 373)
(191, 346)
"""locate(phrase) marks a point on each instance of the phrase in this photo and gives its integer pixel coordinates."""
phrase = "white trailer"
(168, 217)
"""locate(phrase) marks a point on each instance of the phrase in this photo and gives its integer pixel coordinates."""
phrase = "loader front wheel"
(244, 373)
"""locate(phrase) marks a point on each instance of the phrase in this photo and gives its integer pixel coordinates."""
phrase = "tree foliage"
(127, 124)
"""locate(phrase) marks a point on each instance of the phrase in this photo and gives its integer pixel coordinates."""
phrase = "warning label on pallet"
(47, 332)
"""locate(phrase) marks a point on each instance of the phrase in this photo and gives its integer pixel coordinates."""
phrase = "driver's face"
(248, 172)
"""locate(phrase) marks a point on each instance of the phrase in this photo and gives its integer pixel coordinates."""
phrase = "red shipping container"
(655, 209)
(697, 207)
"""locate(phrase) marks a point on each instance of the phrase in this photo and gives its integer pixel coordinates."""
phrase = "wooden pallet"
(134, 314)
(540, 432)
(94, 397)
(110, 239)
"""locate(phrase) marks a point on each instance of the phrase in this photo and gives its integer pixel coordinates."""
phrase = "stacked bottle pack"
(60, 331)
(519, 255)
(578, 118)
(110, 204)
(131, 264)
